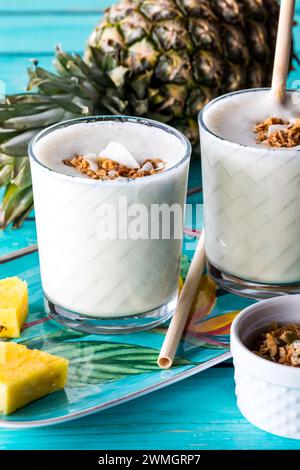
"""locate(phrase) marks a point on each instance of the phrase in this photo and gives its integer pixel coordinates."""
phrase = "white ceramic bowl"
(268, 394)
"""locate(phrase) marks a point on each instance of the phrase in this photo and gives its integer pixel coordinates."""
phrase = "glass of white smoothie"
(109, 196)
(251, 183)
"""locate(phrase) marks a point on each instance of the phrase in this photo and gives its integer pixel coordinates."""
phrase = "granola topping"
(106, 169)
(281, 344)
(275, 132)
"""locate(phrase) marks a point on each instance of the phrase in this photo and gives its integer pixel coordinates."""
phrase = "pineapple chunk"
(28, 374)
(13, 306)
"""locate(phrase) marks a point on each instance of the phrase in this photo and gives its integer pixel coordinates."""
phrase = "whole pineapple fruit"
(173, 56)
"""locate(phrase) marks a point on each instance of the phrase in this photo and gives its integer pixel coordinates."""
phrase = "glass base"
(111, 325)
(247, 288)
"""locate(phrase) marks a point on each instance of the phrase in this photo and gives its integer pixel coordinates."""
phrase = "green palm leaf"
(94, 362)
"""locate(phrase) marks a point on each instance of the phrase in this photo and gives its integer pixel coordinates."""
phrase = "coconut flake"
(111, 173)
(92, 161)
(160, 166)
(277, 127)
(146, 167)
(119, 154)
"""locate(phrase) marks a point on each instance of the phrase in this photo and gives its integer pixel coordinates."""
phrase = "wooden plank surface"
(196, 414)
(12, 239)
(40, 33)
(13, 69)
(60, 6)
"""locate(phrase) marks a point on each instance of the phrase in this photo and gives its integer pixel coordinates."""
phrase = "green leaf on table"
(184, 266)
(96, 362)
(43, 341)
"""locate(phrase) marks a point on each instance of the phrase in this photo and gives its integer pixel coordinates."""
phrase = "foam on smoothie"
(90, 139)
(234, 119)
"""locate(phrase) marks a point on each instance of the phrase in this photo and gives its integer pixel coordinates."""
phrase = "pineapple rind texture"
(206, 47)
(13, 306)
(26, 375)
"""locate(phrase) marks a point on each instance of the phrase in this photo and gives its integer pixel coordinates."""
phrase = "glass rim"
(201, 121)
(109, 118)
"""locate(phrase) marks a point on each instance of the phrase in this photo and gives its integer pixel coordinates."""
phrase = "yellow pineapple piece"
(28, 374)
(13, 306)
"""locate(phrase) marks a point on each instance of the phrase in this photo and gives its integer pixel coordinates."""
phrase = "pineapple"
(176, 55)
(28, 374)
(163, 59)
(13, 306)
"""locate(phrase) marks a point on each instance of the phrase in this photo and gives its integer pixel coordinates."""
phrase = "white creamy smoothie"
(251, 190)
(83, 270)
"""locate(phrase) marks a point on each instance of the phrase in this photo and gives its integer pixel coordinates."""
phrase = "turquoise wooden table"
(198, 413)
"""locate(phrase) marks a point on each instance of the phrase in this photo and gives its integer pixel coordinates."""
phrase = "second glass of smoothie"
(251, 195)
(96, 281)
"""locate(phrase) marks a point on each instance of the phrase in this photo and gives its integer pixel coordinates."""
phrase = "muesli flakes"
(111, 170)
(281, 344)
(286, 134)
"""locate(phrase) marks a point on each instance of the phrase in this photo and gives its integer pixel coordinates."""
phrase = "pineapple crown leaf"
(16, 205)
(21, 176)
(17, 146)
(6, 169)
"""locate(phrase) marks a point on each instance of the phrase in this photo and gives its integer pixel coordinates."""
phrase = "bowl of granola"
(265, 346)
